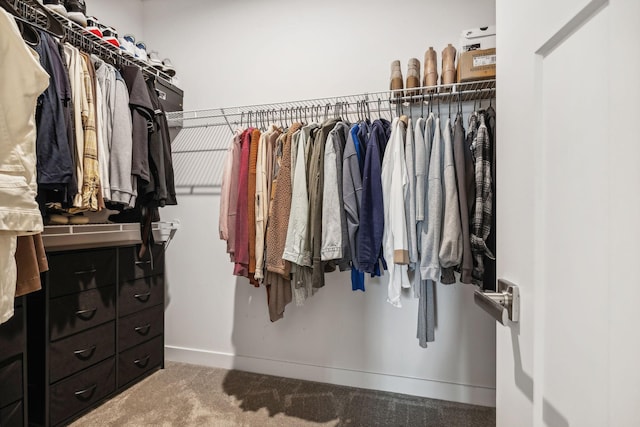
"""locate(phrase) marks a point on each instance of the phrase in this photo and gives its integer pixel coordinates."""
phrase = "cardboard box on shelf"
(478, 39)
(477, 65)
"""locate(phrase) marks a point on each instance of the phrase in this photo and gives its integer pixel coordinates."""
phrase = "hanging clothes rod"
(200, 148)
(384, 102)
(84, 40)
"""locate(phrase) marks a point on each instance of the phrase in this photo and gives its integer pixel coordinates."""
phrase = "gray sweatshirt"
(117, 132)
(451, 239)
(430, 262)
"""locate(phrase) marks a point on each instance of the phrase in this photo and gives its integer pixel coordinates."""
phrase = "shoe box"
(477, 60)
(171, 98)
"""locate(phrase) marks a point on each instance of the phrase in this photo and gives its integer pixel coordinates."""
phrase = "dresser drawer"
(140, 294)
(82, 391)
(72, 272)
(12, 335)
(131, 267)
(140, 360)
(140, 327)
(10, 382)
(80, 351)
(12, 415)
(81, 311)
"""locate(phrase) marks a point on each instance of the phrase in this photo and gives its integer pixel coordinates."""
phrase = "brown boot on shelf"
(413, 77)
(430, 69)
(396, 79)
(448, 66)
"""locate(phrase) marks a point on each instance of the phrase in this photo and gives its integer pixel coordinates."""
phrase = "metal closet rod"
(84, 40)
(352, 105)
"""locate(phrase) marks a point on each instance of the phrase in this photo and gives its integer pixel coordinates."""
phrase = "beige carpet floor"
(188, 395)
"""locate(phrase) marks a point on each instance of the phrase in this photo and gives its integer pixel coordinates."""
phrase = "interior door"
(568, 211)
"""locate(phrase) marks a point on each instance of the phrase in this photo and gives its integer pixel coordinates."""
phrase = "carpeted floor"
(188, 395)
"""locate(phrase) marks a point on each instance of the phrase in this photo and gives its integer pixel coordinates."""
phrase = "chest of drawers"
(96, 328)
(13, 363)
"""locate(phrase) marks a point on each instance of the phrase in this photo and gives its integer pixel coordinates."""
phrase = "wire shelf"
(85, 40)
(199, 149)
(351, 106)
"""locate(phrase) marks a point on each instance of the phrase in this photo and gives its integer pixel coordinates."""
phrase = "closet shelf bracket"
(503, 305)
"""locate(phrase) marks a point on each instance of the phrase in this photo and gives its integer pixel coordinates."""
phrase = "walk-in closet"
(281, 213)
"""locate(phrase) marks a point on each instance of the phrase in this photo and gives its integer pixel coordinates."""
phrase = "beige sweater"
(278, 222)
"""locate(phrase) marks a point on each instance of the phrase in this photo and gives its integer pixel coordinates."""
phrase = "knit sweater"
(279, 212)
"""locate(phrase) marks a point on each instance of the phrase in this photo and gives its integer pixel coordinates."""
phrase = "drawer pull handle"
(143, 297)
(86, 314)
(143, 330)
(143, 262)
(91, 270)
(85, 354)
(81, 394)
(142, 363)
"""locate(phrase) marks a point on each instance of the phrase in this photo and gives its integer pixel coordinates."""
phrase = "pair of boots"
(430, 79)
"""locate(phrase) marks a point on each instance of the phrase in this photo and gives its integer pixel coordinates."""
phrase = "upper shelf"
(87, 41)
(384, 102)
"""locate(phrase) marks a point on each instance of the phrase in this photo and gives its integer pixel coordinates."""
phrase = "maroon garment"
(242, 232)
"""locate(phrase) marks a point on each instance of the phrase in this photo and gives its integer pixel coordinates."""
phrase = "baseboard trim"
(462, 393)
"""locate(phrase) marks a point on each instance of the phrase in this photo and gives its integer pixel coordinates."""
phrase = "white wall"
(125, 16)
(246, 52)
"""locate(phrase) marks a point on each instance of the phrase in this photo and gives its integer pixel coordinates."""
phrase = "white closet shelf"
(69, 237)
(378, 102)
(200, 147)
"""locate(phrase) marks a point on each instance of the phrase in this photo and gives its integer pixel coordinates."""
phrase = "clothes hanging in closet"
(116, 133)
(365, 197)
(72, 150)
(23, 80)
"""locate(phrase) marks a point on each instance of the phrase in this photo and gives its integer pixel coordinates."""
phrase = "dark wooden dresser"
(95, 328)
(13, 365)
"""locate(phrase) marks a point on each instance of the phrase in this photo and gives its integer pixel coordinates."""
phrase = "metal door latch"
(502, 305)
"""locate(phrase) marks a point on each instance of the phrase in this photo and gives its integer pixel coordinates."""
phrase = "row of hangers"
(477, 104)
(28, 28)
(284, 117)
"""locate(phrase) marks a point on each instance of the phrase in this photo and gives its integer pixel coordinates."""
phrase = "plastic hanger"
(54, 26)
